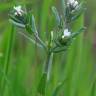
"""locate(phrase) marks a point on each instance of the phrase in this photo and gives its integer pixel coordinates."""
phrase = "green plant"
(60, 39)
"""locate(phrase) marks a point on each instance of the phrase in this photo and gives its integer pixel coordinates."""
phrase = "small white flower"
(18, 10)
(73, 3)
(66, 33)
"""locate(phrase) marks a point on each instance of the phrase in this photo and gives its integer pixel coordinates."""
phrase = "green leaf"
(63, 7)
(42, 85)
(77, 33)
(56, 14)
(17, 24)
(33, 24)
(31, 21)
(60, 49)
(16, 21)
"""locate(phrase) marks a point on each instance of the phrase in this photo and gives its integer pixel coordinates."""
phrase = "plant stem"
(46, 75)
(28, 37)
(48, 64)
(40, 41)
(35, 34)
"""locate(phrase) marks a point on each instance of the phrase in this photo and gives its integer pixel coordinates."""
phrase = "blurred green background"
(21, 62)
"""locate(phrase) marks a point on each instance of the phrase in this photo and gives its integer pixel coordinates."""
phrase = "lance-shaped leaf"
(30, 25)
(63, 7)
(60, 49)
(17, 24)
(78, 32)
(16, 21)
(42, 85)
(33, 24)
(56, 14)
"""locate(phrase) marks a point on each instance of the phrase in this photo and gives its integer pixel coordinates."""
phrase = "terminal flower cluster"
(18, 10)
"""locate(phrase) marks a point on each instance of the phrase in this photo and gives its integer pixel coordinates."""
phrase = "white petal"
(66, 30)
(18, 10)
(71, 1)
(17, 7)
(75, 4)
(67, 33)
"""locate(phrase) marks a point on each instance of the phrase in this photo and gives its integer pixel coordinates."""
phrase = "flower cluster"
(18, 16)
(73, 3)
(65, 35)
(18, 10)
(59, 39)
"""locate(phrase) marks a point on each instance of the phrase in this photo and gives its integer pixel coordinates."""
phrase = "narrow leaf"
(33, 24)
(56, 14)
(60, 49)
(17, 24)
(77, 33)
(42, 85)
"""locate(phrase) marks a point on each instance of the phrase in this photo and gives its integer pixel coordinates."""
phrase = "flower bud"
(18, 11)
(66, 33)
(73, 4)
